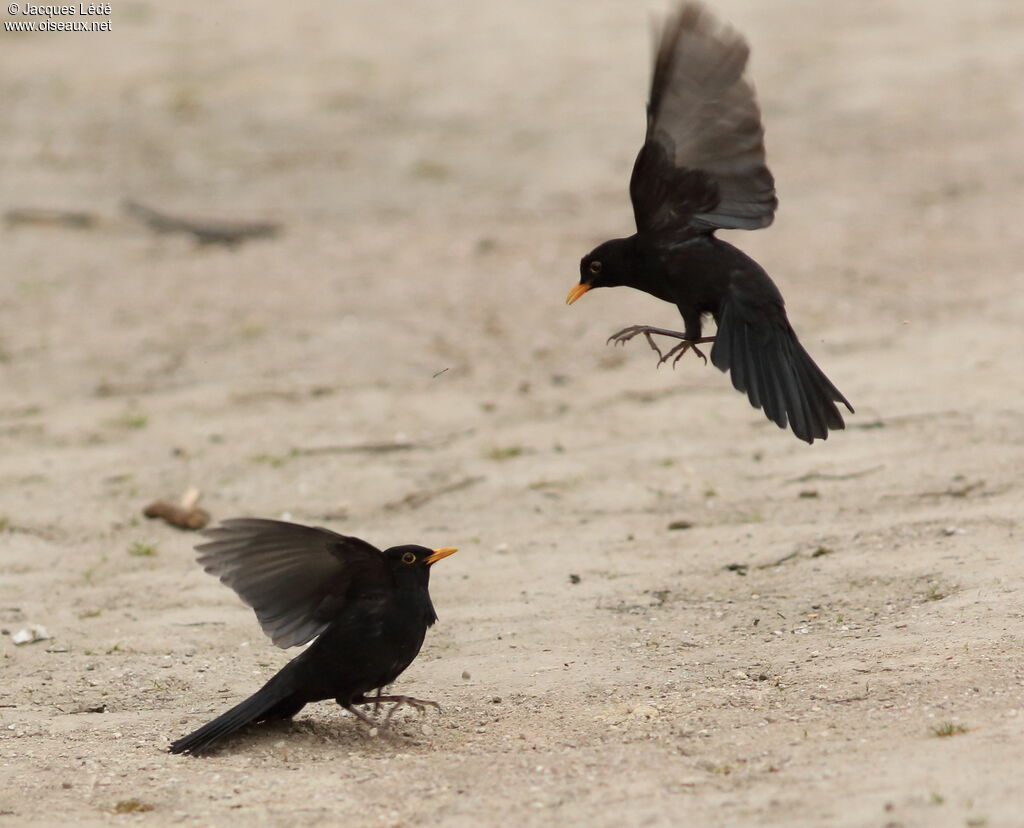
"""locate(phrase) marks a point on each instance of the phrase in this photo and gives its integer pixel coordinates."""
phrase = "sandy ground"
(787, 660)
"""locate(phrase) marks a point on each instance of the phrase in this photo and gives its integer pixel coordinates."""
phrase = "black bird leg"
(689, 343)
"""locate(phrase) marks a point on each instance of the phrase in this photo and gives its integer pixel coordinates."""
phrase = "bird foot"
(419, 704)
(689, 343)
(684, 346)
(360, 715)
(626, 334)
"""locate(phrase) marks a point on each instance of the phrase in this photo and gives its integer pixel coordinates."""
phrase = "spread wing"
(702, 166)
(295, 577)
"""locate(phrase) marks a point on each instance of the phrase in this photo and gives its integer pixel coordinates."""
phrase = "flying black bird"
(368, 611)
(702, 168)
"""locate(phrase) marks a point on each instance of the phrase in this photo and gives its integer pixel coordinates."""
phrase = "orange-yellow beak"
(577, 292)
(437, 554)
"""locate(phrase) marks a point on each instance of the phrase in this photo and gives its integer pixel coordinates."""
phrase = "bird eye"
(409, 557)
(595, 267)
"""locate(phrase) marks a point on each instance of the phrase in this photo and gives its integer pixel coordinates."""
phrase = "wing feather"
(289, 573)
(702, 166)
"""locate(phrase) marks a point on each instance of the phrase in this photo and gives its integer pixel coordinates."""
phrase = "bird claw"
(360, 715)
(687, 343)
(626, 334)
(420, 705)
(679, 350)
(623, 336)
(397, 701)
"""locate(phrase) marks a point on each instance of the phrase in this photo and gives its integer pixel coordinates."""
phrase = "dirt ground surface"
(833, 637)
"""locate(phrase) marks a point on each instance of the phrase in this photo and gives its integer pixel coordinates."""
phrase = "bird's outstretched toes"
(687, 344)
(419, 704)
(683, 347)
(396, 701)
(359, 714)
(626, 334)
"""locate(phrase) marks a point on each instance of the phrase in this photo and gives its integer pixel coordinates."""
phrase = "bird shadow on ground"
(299, 733)
(400, 732)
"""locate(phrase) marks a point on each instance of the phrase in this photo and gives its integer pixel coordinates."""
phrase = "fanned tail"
(768, 363)
(275, 700)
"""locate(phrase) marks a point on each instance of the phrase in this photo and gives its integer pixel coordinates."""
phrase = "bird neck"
(413, 597)
(421, 606)
(643, 265)
(623, 264)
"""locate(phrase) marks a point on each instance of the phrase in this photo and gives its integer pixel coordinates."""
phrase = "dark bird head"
(607, 265)
(411, 564)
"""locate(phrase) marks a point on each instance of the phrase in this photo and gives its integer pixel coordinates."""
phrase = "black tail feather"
(275, 700)
(768, 363)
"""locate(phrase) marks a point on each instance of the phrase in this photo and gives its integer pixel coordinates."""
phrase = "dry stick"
(779, 562)
(826, 476)
(849, 699)
(382, 447)
(961, 491)
(359, 448)
(54, 218)
(206, 231)
(414, 500)
(184, 514)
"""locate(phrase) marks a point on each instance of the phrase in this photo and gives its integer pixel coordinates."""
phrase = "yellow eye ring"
(409, 558)
(595, 267)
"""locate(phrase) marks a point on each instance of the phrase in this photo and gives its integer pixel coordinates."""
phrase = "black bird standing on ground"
(368, 610)
(702, 168)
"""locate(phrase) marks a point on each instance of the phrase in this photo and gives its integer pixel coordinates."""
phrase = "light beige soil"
(438, 175)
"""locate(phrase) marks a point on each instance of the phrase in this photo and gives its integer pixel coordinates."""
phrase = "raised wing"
(295, 577)
(702, 166)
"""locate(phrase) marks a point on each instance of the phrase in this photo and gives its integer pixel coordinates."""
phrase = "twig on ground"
(779, 562)
(76, 219)
(185, 514)
(205, 231)
(414, 500)
(956, 491)
(826, 476)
